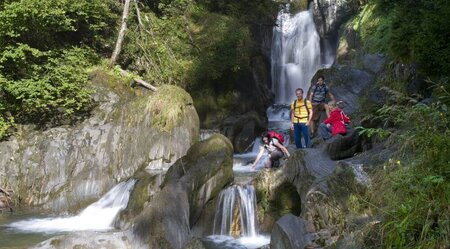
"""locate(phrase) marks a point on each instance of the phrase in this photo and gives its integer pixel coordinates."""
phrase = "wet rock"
(65, 168)
(92, 240)
(195, 244)
(192, 182)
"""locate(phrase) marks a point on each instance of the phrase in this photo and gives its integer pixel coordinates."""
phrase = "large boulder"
(289, 232)
(65, 168)
(191, 183)
(321, 188)
(341, 147)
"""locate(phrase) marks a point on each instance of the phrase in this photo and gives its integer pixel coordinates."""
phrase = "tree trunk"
(121, 35)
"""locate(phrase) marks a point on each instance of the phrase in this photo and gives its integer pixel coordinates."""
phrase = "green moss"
(168, 106)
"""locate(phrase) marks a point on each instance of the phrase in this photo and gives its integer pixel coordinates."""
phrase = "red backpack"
(277, 135)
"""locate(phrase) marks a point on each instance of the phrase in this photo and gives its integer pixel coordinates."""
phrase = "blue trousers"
(299, 129)
(324, 131)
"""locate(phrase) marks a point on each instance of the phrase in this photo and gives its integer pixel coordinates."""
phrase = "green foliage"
(51, 24)
(415, 185)
(409, 31)
(373, 132)
(53, 89)
(45, 48)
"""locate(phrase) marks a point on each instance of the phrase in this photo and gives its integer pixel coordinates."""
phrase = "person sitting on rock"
(335, 124)
(273, 148)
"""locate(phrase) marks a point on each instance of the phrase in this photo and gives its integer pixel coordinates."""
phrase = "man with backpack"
(273, 146)
(318, 96)
(301, 114)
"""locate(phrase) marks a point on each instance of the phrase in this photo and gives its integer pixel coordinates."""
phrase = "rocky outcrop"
(347, 84)
(162, 217)
(64, 168)
(320, 187)
(330, 14)
(191, 183)
(341, 147)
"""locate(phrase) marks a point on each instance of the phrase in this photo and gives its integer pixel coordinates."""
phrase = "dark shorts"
(276, 155)
(317, 108)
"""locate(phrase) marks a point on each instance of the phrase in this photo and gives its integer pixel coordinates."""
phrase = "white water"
(224, 217)
(295, 54)
(99, 216)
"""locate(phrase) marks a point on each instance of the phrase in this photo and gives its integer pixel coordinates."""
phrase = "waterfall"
(295, 54)
(228, 199)
(247, 210)
(98, 216)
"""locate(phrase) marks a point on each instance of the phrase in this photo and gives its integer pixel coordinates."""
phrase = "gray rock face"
(347, 84)
(322, 187)
(289, 232)
(64, 168)
(192, 182)
(330, 14)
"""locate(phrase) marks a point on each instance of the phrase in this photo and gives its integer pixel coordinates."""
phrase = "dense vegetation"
(412, 191)
(46, 47)
(204, 46)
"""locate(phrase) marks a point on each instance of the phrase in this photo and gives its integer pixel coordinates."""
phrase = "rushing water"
(295, 54)
(243, 198)
(22, 228)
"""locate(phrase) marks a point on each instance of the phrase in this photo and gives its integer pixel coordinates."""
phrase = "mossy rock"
(167, 106)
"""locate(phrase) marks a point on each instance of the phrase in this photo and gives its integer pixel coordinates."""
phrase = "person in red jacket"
(335, 124)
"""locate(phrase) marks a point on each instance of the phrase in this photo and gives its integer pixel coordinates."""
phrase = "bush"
(415, 184)
(409, 31)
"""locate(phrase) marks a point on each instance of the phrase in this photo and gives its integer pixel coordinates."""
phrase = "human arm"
(285, 151)
(334, 116)
(310, 113)
(331, 96)
(292, 115)
(258, 157)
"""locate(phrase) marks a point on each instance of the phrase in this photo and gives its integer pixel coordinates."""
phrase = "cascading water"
(99, 216)
(230, 197)
(295, 54)
(233, 201)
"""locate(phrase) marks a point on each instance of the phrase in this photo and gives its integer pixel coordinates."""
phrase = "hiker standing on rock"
(275, 150)
(301, 114)
(318, 96)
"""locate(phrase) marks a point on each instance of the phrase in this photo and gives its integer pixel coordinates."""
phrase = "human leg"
(325, 131)
(305, 133)
(297, 135)
(317, 108)
(275, 156)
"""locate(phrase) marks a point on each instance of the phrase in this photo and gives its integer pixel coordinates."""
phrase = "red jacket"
(338, 120)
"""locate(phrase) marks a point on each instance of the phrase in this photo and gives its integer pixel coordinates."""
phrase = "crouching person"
(273, 148)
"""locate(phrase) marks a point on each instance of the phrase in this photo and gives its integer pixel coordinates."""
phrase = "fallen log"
(138, 81)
